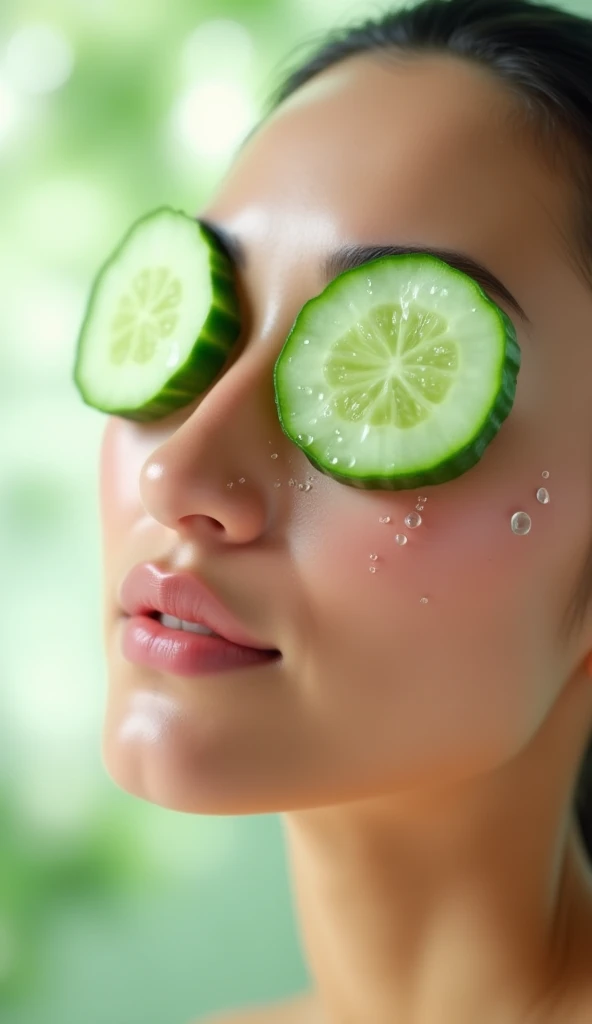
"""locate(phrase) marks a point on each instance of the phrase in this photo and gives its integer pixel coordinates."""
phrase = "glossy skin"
(422, 755)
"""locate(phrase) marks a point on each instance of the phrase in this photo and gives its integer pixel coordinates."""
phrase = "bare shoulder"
(294, 1010)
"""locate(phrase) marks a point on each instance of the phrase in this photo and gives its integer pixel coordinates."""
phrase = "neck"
(474, 906)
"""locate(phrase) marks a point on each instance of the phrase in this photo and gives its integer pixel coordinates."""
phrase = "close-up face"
(399, 663)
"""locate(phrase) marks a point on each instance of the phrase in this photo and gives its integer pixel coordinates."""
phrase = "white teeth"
(191, 627)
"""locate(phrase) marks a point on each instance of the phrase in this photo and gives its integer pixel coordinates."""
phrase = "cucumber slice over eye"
(161, 319)
(398, 375)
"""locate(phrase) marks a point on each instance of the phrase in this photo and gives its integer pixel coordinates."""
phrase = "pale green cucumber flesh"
(398, 375)
(162, 317)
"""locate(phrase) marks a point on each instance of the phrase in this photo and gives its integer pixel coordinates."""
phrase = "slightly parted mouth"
(155, 614)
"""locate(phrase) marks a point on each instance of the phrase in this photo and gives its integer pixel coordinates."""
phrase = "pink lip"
(147, 642)
(147, 589)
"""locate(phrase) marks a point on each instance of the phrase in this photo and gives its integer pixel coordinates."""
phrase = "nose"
(212, 478)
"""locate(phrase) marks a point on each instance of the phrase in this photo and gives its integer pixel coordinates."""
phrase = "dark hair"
(544, 55)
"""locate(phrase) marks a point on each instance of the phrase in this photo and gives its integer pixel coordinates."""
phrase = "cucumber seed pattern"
(389, 366)
(146, 313)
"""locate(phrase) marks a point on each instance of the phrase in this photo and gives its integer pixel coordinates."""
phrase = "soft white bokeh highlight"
(210, 118)
(38, 58)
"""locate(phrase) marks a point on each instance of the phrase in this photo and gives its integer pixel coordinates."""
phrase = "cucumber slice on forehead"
(161, 319)
(398, 375)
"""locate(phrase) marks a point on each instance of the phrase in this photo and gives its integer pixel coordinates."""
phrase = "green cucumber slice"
(161, 319)
(398, 375)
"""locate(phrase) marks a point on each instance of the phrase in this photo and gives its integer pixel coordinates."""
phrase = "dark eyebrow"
(348, 257)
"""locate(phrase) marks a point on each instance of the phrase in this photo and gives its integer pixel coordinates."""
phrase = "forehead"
(425, 150)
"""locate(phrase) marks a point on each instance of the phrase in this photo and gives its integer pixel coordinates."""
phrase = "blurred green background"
(112, 911)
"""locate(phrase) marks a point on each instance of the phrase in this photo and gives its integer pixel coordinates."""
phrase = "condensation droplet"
(423, 600)
(242, 480)
(277, 484)
(291, 482)
(371, 568)
(308, 487)
(274, 456)
(545, 473)
(412, 520)
(300, 487)
(419, 508)
(306, 341)
(521, 523)
(543, 496)
(400, 538)
(230, 484)
(373, 557)
(384, 519)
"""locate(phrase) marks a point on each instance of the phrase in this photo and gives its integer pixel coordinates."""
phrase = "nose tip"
(201, 504)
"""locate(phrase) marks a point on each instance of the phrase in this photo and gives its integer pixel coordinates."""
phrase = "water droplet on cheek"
(400, 538)
(373, 557)
(545, 474)
(423, 600)
(384, 519)
(543, 496)
(412, 520)
(521, 523)
(371, 568)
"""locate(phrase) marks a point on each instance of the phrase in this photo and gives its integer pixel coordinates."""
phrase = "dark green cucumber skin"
(206, 358)
(450, 468)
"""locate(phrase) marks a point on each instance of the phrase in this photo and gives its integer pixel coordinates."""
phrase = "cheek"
(122, 456)
(473, 664)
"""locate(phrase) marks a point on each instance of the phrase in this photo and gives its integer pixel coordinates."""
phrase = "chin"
(149, 751)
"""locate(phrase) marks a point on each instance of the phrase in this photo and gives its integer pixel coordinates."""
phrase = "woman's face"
(375, 691)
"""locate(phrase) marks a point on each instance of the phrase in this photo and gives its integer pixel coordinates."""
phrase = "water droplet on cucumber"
(412, 520)
(521, 523)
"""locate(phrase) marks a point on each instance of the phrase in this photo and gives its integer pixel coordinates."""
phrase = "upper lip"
(147, 589)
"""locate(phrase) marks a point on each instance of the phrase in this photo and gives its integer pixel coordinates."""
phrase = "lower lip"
(146, 641)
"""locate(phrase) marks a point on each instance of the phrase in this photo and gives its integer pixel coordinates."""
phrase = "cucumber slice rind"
(209, 320)
(393, 459)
